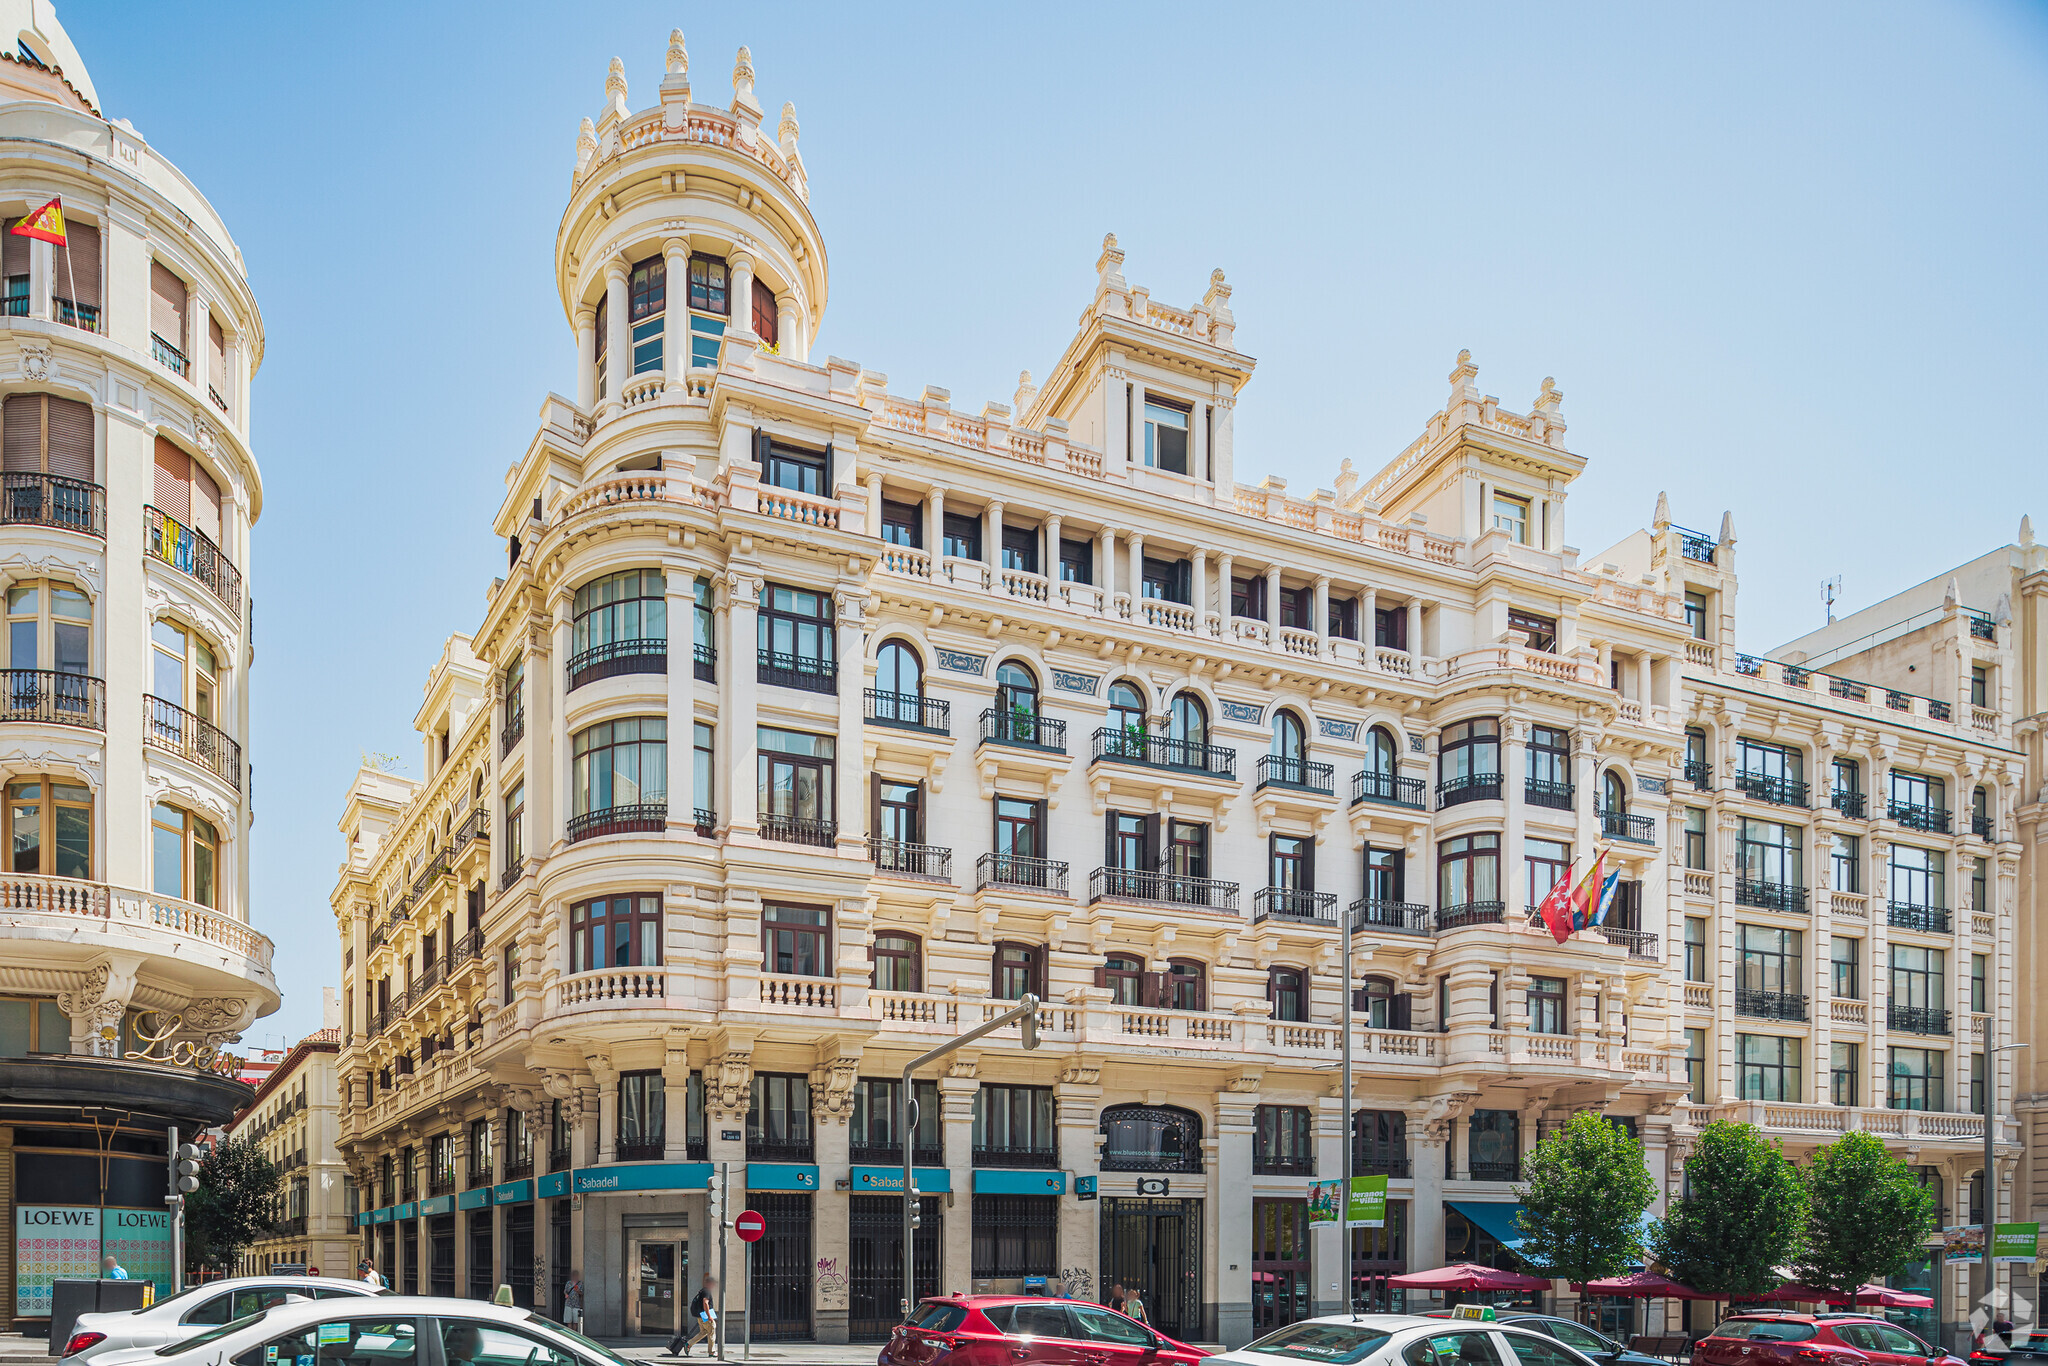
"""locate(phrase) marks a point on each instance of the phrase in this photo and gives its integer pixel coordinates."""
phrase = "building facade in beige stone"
(294, 1120)
(1043, 697)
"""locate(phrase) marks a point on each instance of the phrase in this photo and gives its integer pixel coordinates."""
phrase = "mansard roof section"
(1472, 428)
(1194, 346)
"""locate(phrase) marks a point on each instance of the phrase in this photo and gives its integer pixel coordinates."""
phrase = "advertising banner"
(2015, 1242)
(52, 1241)
(1322, 1203)
(1367, 1207)
(140, 1240)
(1963, 1245)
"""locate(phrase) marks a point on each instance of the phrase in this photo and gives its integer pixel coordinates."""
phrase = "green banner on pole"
(2015, 1242)
(1368, 1205)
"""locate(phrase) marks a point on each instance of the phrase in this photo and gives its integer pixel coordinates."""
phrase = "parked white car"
(1402, 1340)
(387, 1330)
(191, 1312)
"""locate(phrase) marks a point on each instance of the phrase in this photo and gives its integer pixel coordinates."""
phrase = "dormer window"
(708, 285)
(1511, 514)
(1166, 435)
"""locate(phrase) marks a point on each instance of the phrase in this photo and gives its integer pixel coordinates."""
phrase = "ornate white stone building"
(1045, 697)
(126, 503)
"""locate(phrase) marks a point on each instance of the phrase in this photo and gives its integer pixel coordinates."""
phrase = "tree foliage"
(1583, 1200)
(234, 1206)
(1867, 1214)
(1743, 1214)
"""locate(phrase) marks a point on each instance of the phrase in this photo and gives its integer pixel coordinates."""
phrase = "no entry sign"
(750, 1226)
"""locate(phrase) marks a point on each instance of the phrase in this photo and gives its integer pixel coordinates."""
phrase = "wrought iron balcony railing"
(1620, 825)
(891, 1154)
(1700, 774)
(1917, 1019)
(805, 673)
(1467, 787)
(1290, 903)
(1471, 913)
(640, 818)
(1017, 870)
(704, 663)
(906, 859)
(704, 821)
(614, 658)
(1025, 728)
(1131, 745)
(1283, 1164)
(1277, 770)
(1770, 896)
(1694, 545)
(760, 1149)
(53, 698)
(1134, 884)
(1770, 1005)
(1544, 792)
(1496, 1171)
(1849, 803)
(1015, 1156)
(911, 711)
(29, 499)
(1907, 915)
(1918, 816)
(1767, 787)
(1983, 829)
(1390, 789)
(818, 834)
(1639, 943)
(169, 356)
(167, 539)
(514, 732)
(1371, 915)
(170, 727)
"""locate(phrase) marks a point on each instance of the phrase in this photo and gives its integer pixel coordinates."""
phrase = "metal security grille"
(519, 1254)
(558, 1264)
(441, 1269)
(780, 1288)
(480, 1284)
(1156, 1246)
(875, 1261)
(1016, 1235)
(408, 1281)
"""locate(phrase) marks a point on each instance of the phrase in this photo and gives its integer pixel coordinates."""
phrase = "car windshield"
(1341, 1343)
(603, 1352)
(211, 1335)
(1772, 1330)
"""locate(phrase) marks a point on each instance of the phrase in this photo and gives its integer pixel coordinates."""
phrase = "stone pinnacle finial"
(678, 54)
(2026, 529)
(615, 81)
(743, 78)
(586, 142)
(787, 130)
(1728, 528)
(1026, 391)
(1347, 480)
(1464, 372)
(1663, 517)
(1550, 397)
(1110, 265)
(1952, 594)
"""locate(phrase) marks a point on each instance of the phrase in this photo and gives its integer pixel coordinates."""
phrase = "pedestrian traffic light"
(186, 1168)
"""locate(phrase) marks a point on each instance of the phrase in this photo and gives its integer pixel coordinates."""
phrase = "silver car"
(387, 1330)
(190, 1312)
(1403, 1340)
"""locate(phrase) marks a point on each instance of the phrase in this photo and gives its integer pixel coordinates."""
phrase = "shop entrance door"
(1156, 1246)
(658, 1275)
(1280, 1269)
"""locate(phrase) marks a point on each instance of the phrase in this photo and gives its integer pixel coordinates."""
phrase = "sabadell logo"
(600, 1183)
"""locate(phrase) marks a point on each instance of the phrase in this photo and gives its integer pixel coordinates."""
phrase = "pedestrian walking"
(112, 1270)
(702, 1324)
(1134, 1306)
(1117, 1295)
(572, 1301)
(369, 1276)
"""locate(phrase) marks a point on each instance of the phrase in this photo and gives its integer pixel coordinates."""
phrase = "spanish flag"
(46, 223)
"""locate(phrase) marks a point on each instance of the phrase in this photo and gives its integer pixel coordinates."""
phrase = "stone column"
(459, 1144)
(1415, 631)
(1137, 424)
(740, 297)
(935, 530)
(831, 1231)
(850, 772)
(1585, 791)
(607, 1079)
(1514, 769)
(1226, 576)
(1201, 593)
(1076, 1103)
(675, 323)
(1049, 554)
(1273, 602)
(618, 340)
(992, 543)
(873, 484)
(1235, 1111)
(957, 1090)
(787, 340)
(675, 1098)
(728, 1086)
(737, 693)
(1645, 667)
(1369, 627)
(1427, 1139)
(1320, 612)
(1105, 568)
(586, 358)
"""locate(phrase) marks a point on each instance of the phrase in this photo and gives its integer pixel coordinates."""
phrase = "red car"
(1006, 1330)
(1774, 1339)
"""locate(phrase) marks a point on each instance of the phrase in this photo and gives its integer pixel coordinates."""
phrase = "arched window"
(1151, 1138)
(1376, 779)
(1288, 761)
(898, 694)
(1125, 978)
(1189, 722)
(1380, 1005)
(1980, 812)
(1126, 707)
(1287, 991)
(184, 854)
(1015, 716)
(1613, 793)
(1187, 985)
(896, 963)
(49, 828)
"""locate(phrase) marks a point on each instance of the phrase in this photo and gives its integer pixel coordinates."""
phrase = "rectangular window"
(1344, 618)
(643, 1116)
(1187, 849)
(1917, 878)
(1020, 829)
(1168, 580)
(1493, 1149)
(509, 973)
(1020, 549)
(1166, 435)
(1768, 962)
(1696, 1065)
(902, 524)
(622, 766)
(1013, 1125)
(615, 932)
(1019, 969)
(1980, 685)
(962, 537)
(515, 825)
(875, 1100)
(779, 1116)
(1842, 1073)
(1546, 1006)
(1919, 802)
(1696, 614)
(1847, 793)
(1918, 979)
(1979, 873)
(1696, 838)
(1385, 875)
(1468, 877)
(1283, 1140)
(794, 636)
(796, 941)
(1291, 863)
(1695, 949)
(1511, 514)
(899, 813)
(1845, 862)
(1548, 863)
(1390, 627)
(1980, 995)
(1541, 631)
(49, 831)
(1297, 608)
(701, 776)
(647, 293)
(795, 468)
(1077, 561)
(1845, 957)
(708, 286)
(1916, 1078)
(1976, 1083)
(1767, 1068)
(1550, 767)
(1772, 856)
(1248, 596)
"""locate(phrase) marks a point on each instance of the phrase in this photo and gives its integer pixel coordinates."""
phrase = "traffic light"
(1029, 1026)
(714, 1208)
(186, 1168)
(916, 1208)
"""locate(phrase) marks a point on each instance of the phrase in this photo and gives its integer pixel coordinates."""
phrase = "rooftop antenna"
(1830, 589)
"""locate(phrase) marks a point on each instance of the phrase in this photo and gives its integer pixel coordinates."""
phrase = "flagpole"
(69, 275)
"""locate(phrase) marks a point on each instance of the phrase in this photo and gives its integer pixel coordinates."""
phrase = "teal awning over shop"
(1496, 1219)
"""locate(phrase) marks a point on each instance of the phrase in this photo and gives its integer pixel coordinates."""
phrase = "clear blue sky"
(1785, 259)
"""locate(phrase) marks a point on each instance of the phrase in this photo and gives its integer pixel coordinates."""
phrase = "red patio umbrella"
(1466, 1276)
(1799, 1294)
(1888, 1298)
(1644, 1285)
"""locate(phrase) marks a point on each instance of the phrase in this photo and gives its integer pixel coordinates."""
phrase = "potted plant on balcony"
(1023, 723)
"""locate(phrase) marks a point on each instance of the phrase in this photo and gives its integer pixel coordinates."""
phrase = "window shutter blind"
(173, 481)
(71, 442)
(217, 370)
(1102, 974)
(829, 485)
(13, 253)
(995, 968)
(206, 508)
(166, 305)
(1153, 856)
(1398, 1017)
(1152, 989)
(78, 267)
(764, 312)
(760, 448)
(23, 440)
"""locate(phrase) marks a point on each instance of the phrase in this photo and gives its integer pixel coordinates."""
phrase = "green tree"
(1583, 1200)
(1867, 1215)
(1742, 1216)
(236, 1203)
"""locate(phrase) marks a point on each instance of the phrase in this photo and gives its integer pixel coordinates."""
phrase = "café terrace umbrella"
(1464, 1276)
(1883, 1296)
(1644, 1285)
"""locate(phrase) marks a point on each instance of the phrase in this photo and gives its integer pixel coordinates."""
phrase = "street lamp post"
(1344, 1195)
(1992, 1048)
